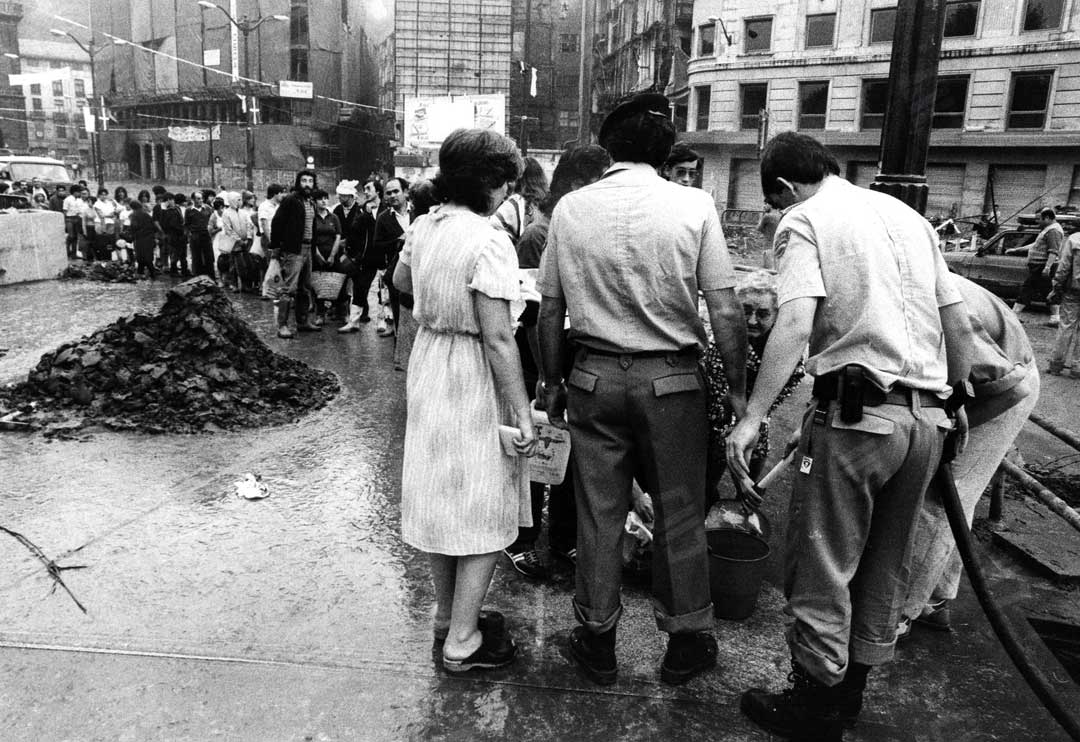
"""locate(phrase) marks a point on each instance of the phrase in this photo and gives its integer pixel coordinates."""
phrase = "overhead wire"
(120, 41)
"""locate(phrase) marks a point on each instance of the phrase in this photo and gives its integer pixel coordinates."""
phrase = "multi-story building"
(636, 46)
(169, 69)
(1006, 124)
(444, 48)
(12, 120)
(544, 86)
(58, 84)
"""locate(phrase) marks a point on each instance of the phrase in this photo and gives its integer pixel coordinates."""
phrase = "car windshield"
(47, 171)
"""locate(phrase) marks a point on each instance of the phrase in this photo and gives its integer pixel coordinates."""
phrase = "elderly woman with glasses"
(757, 292)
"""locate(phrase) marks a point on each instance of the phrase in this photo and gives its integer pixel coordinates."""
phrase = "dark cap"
(634, 104)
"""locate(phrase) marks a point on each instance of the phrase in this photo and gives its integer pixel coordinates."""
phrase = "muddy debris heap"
(195, 366)
(109, 271)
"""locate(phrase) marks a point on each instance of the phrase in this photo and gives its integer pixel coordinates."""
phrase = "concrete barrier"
(31, 246)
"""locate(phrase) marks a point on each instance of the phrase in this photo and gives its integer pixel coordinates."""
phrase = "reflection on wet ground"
(303, 616)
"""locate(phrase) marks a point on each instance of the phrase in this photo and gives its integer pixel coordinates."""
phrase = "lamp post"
(95, 137)
(245, 26)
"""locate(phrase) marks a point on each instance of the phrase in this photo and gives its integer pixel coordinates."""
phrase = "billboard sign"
(429, 120)
(294, 89)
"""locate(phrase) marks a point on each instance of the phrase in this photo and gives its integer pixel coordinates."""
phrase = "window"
(875, 94)
(35, 89)
(1030, 96)
(58, 88)
(568, 119)
(81, 131)
(752, 98)
(960, 17)
(80, 88)
(298, 25)
(35, 103)
(58, 104)
(758, 35)
(707, 40)
(298, 65)
(1040, 15)
(882, 25)
(950, 103)
(703, 99)
(813, 104)
(568, 43)
(819, 29)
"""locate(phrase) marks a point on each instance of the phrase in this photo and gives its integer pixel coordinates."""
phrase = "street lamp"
(95, 137)
(246, 25)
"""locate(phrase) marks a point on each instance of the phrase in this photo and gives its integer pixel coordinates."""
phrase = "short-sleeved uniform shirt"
(875, 265)
(629, 254)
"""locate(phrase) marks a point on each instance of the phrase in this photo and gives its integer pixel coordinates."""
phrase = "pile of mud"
(194, 366)
(109, 271)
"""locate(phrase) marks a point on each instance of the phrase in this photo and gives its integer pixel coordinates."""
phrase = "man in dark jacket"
(390, 236)
(290, 245)
(172, 224)
(197, 221)
(357, 229)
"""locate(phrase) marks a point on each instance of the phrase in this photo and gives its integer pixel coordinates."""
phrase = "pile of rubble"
(194, 366)
(109, 271)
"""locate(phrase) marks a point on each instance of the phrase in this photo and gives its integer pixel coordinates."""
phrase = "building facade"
(1006, 127)
(164, 66)
(544, 85)
(12, 100)
(58, 85)
(638, 46)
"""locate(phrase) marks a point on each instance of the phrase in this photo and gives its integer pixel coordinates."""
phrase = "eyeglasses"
(683, 172)
(763, 314)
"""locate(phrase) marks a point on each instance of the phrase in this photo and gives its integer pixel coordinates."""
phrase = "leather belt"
(826, 389)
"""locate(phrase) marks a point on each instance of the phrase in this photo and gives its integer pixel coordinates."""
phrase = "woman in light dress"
(462, 495)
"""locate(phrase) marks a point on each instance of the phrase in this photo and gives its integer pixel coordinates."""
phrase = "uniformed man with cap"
(626, 258)
(863, 282)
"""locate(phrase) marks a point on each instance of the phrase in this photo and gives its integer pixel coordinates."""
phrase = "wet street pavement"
(304, 617)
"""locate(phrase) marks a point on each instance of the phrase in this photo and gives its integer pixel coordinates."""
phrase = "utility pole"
(909, 112)
(97, 111)
(526, 81)
(246, 26)
(588, 21)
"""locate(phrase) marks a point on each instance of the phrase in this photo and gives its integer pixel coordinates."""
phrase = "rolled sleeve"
(714, 268)
(798, 261)
(548, 281)
(945, 289)
(496, 271)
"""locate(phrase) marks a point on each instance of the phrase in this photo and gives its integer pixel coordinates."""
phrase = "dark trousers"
(144, 256)
(1035, 287)
(362, 279)
(72, 227)
(177, 253)
(638, 417)
(202, 255)
(562, 510)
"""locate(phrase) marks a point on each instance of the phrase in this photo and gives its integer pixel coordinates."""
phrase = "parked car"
(25, 168)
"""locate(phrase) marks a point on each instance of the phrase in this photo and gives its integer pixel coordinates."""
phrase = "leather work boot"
(688, 654)
(809, 710)
(595, 654)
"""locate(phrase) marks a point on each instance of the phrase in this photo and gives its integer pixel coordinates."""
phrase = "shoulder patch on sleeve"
(780, 242)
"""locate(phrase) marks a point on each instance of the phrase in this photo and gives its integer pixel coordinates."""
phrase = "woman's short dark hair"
(274, 189)
(577, 166)
(472, 164)
(143, 194)
(423, 195)
(118, 191)
(533, 182)
(797, 158)
(319, 193)
(136, 205)
(646, 136)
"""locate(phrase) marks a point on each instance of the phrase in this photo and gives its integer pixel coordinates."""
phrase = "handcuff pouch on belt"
(850, 388)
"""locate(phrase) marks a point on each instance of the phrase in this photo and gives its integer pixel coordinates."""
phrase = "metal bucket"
(737, 562)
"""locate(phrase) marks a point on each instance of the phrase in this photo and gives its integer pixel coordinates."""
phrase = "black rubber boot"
(595, 654)
(809, 710)
(688, 655)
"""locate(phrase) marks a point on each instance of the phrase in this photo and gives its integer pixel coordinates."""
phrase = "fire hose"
(943, 480)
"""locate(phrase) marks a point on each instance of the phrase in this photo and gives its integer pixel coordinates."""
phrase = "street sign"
(211, 57)
(89, 120)
(294, 89)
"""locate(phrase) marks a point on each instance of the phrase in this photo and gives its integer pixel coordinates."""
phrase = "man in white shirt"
(274, 193)
(73, 211)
